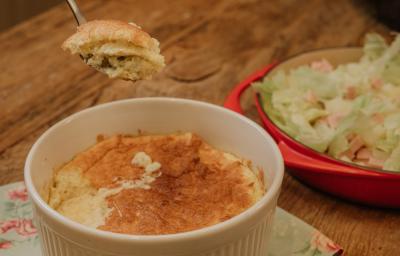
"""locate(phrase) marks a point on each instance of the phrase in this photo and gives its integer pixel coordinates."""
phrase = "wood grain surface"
(210, 46)
(14, 11)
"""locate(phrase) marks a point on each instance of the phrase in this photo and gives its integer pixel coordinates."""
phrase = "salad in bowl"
(350, 112)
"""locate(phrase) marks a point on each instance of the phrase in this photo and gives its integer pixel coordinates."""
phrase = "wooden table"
(210, 46)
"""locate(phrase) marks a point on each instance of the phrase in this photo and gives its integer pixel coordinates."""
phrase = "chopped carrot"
(364, 154)
(351, 93)
(378, 118)
(375, 162)
(311, 97)
(334, 119)
(377, 84)
(322, 65)
(355, 144)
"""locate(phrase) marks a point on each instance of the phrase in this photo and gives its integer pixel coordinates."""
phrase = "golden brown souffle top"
(198, 185)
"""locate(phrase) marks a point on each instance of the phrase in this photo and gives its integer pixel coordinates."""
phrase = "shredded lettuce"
(393, 162)
(374, 46)
(350, 112)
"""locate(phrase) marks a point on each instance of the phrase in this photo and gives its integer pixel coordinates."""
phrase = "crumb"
(100, 138)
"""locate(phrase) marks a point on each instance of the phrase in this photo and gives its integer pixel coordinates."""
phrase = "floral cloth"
(16, 226)
(18, 235)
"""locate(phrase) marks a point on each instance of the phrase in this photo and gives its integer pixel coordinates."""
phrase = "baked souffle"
(116, 48)
(154, 185)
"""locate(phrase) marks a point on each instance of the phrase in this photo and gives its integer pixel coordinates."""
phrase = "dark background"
(15, 11)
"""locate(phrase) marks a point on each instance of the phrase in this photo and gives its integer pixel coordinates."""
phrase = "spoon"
(123, 65)
(80, 19)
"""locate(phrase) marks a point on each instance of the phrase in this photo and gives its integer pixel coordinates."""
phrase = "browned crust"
(110, 31)
(197, 187)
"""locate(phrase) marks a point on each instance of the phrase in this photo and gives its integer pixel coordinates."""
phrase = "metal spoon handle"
(80, 19)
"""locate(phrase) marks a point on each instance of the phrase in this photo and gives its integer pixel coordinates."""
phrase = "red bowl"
(360, 184)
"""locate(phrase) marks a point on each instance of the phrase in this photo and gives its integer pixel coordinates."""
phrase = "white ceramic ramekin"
(244, 235)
